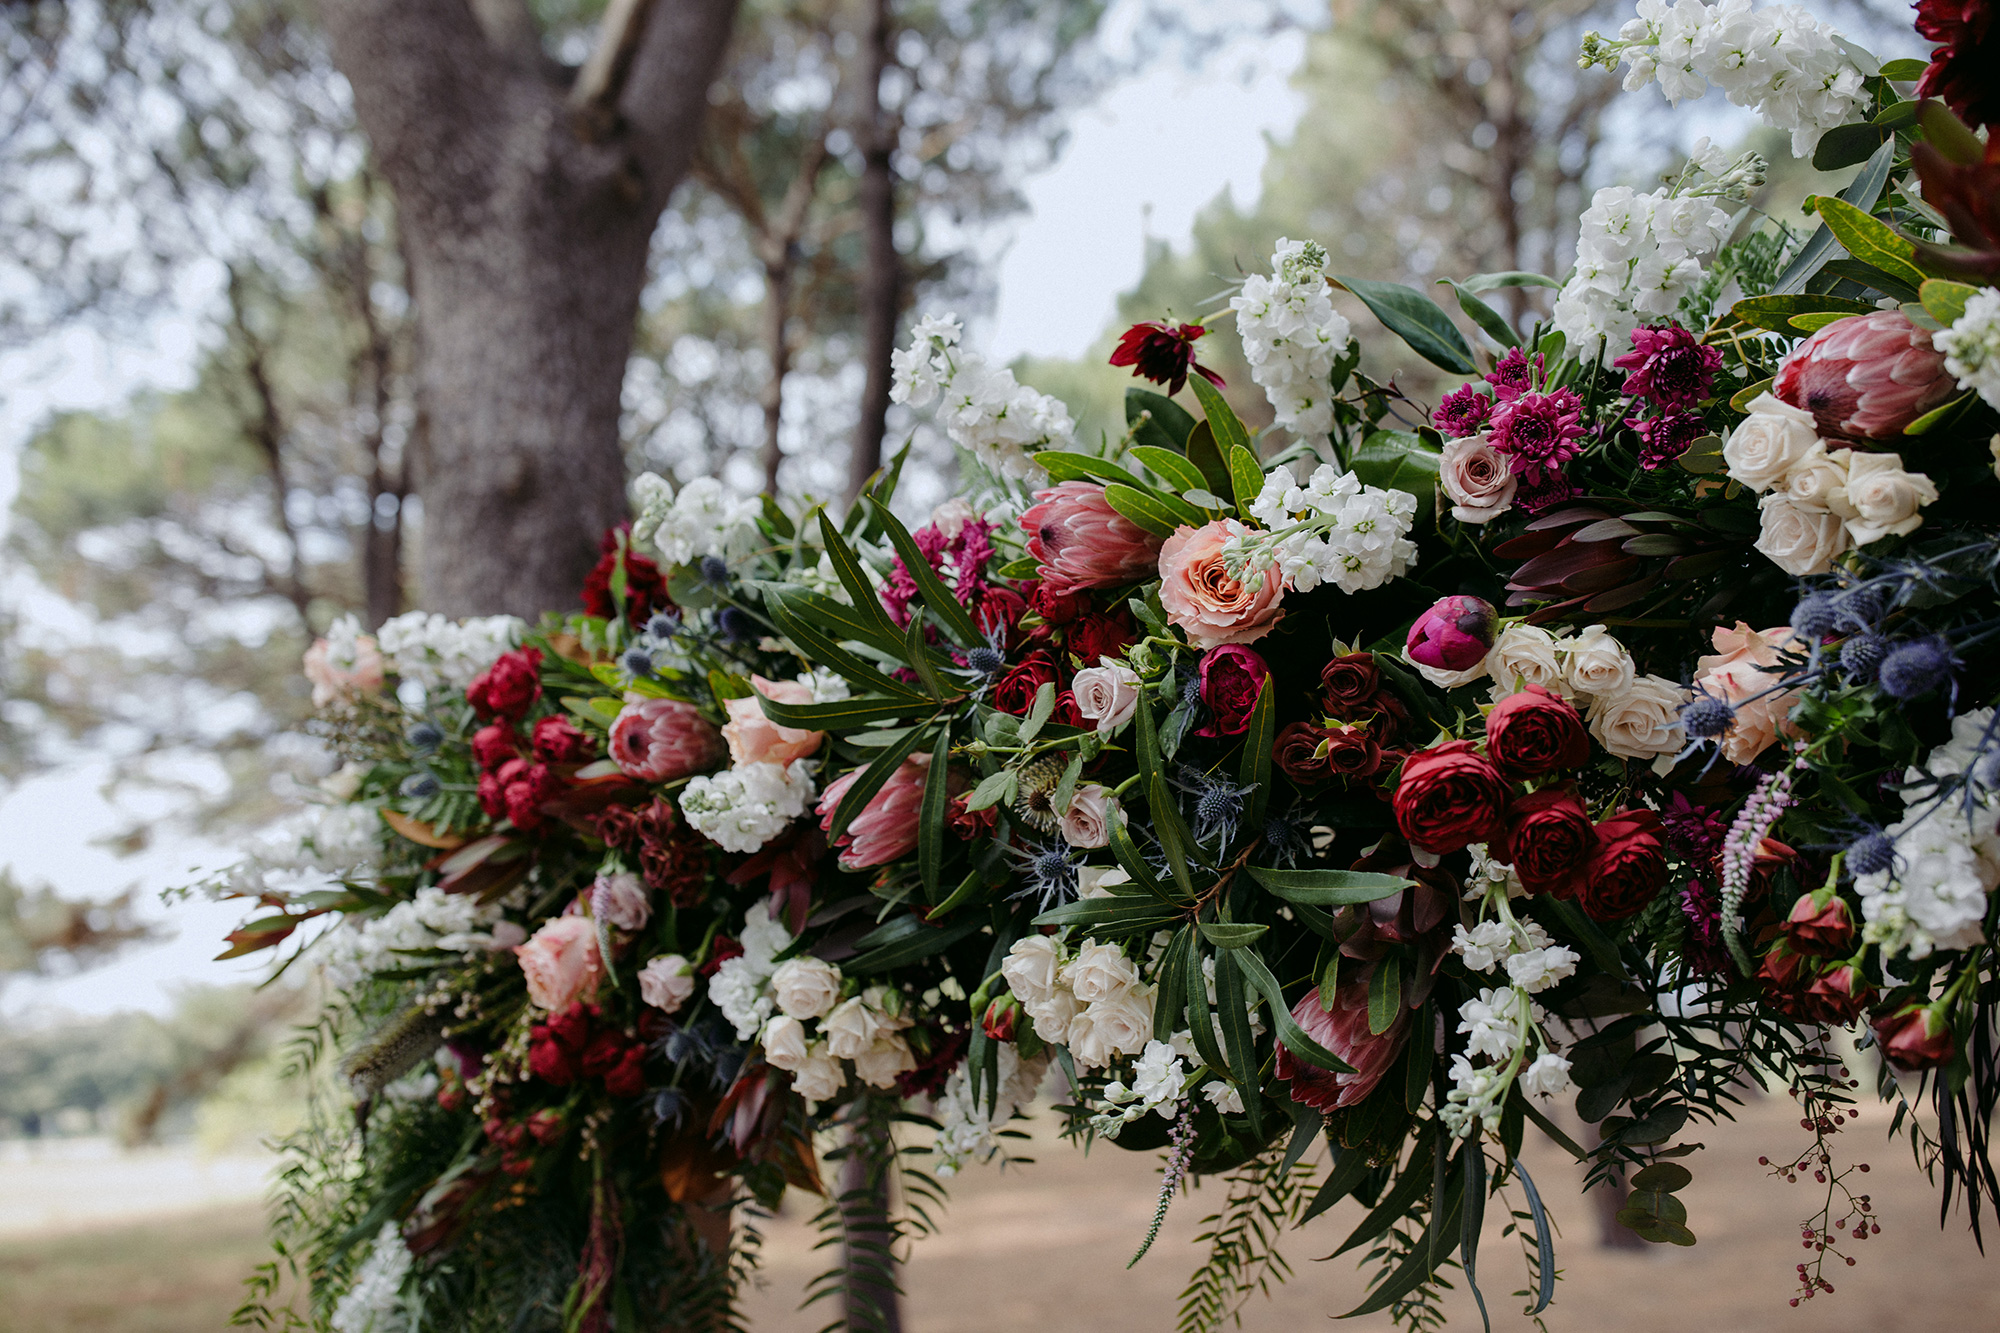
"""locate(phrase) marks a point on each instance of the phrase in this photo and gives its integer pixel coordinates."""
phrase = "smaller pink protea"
(1865, 378)
(1454, 635)
(1080, 541)
(886, 828)
(1345, 1033)
(656, 740)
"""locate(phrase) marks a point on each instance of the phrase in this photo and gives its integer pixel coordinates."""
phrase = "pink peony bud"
(1345, 1033)
(1454, 634)
(655, 740)
(886, 828)
(1865, 378)
(1080, 541)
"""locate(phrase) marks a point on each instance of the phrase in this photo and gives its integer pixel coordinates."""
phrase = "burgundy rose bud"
(627, 1078)
(1352, 752)
(1097, 635)
(508, 688)
(1628, 867)
(1163, 353)
(557, 741)
(1822, 930)
(545, 1126)
(1549, 837)
(970, 825)
(1865, 378)
(1454, 634)
(1232, 680)
(1002, 1016)
(1449, 796)
(720, 951)
(1058, 604)
(999, 613)
(1066, 713)
(1015, 693)
(494, 744)
(1344, 1032)
(1349, 684)
(1533, 733)
(1300, 753)
(492, 796)
(523, 788)
(1839, 995)
(645, 585)
(1915, 1037)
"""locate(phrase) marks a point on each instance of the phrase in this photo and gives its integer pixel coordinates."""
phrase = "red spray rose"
(492, 796)
(1015, 693)
(1549, 836)
(1824, 932)
(557, 741)
(1838, 995)
(1915, 1037)
(1353, 752)
(1066, 713)
(970, 825)
(1344, 1032)
(1002, 1017)
(545, 1126)
(627, 1078)
(1232, 680)
(1098, 634)
(508, 688)
(1163, 353)
(555, 1048)
(1627, 868)
(999, 615)
(1058, 604)
(494, 744)
(1533, 733)
(645, 585)
(1449, 796)
(1454, 634)
(1298, 754)
(1348, 684)
(523, 787)
(721, 950)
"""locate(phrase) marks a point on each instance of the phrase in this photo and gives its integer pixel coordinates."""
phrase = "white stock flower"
(1971, 346)
(1292, 335)
(742, 808)
(440, 654)
(981, 407)
(1636, 257)
(1225, 1097)
(1535, 970)
(1492, 1021)
(374, 1304)
(966, 1128)
(705, 518)
(1548, 1076)
(1483, 946)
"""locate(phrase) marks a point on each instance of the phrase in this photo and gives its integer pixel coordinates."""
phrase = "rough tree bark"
(526, 208)
(882, 280)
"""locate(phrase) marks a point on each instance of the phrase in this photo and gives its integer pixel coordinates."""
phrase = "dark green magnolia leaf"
(1228, 428)
(1168, 425)
(1416, 319)
(1489, 320)
(1158, 514)
(1401, 461)
(1206, 454)
(1327, 888)
(1845, 145)
(1062, 465)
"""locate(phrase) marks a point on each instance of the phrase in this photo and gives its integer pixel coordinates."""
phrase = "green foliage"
(1265, 1200)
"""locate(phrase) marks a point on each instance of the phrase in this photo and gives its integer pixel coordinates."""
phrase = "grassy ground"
(178, 1275)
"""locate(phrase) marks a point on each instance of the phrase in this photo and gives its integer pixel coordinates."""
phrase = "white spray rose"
(1771, 440)
(1031, 967)
(806, 987)
(1643, 721)
(1819, 480)
(667, 982)
(1524, 655)
(1597, 664)
(879, 1065)
(1119, 1025)
(1106, 694)
(1798, 540)
(1087, 822)
(820, 1078)
(852, 1028)
(784, 1042)
(1099, 972)
(1886, 499)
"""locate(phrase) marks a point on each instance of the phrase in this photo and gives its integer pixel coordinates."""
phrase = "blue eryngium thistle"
(637, 661)
(1284, 839)
(1705, 717)
(1816, 616)
(1048, 873)
(420, 786)
(1218, 804)
(986, 660)
(735, 626)
(715, 571)
(1861, 658)
(663, 625)
(425, 737)
(1860, 607)
(1916, 668)
(1871, 853)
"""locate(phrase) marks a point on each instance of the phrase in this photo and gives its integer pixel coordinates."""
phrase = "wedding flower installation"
(1319, 809)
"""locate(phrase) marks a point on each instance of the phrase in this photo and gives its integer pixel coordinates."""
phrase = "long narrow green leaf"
(930, 823)
(901, 953)
(1171, 1002)
(1473, 1216)
(842, 621)
(1327, 888)
(1385, 993)
(1167, 824)
(1135, 865)
(1246, 477)
(1238, 1043)
(847, 565)
(1349, 1166)
(870, 782)
(1409, 1187)
(1283, 1024)
(822, 650)
(1306, 1125)
(842, 714)
(930, 587)
(1201, 1018)
(914, 651)
(1222, 419)
(1423, 1261)
(1545, 1246)
(1110, 916)
(1418, 1058)
(1254, 771)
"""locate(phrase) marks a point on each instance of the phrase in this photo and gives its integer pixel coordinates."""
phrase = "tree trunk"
(882, 281)
(777, 316)
(527, 219)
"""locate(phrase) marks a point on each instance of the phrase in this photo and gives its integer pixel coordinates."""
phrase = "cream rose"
(784, 1042)
(1799, 540)
(1201, 596)
(560, 962)
(1106, 694)
(1477, 478)
(1885, 498)
(1051, 1015)
(879, 1065)
(755, 739)
(1595, 663)
(1641, 721)
(1119, 1025)
(1524, 655)
(1819, 480)
(806, 987)
(667, 982)
(1032, 967)
(820, 1078)
(852, 1028)
(1773, 438)
(1100, 971)
(1087, 822)
(1096, 881)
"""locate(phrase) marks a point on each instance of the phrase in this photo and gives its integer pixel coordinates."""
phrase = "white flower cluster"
(1503, 1025)
(1793, 70)
(1825, 498)
(374, 1304)
(742, 808)
(1292, 335)
(705, 518)
(1946, 862)
(1332, 530)
(1971, 346)
(1632, 716)
(438, 653)
(1091, 1001)
(360, 947)
(866, 1029)
(1636, 257)
(981, 407)
(1159, 1080)
(966, 1129)
(740, 987)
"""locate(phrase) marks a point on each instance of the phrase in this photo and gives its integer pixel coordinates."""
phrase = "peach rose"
(1736, 675)
(1201, 597)
(755, 739)
(561, 962)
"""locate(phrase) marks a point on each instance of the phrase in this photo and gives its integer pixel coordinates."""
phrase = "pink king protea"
(1080, 541)
(1865, 378)
(1344, 1032)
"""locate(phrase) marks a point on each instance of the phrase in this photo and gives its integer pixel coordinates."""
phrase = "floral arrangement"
(1317, 809)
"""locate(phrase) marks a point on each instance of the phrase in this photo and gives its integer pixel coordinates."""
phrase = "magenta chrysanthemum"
(1552, 489)
(1462, 412)
(1539, 432)
(1514, 375)
(1666, 437)
(1668, 367)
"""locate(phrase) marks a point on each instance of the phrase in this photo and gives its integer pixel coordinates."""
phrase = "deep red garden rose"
(508, 688)
(1453, 635)
(1348, 683)
(1824, 932)
(1962, 66)
(645, 585)
(1066, 713)
(557, 741)
(1449, 796)
(524, 786)
(1099, 634)
(1549, 837)
(1163, 353)
(970, 825)
(1353, 752)
(494, 744)
(1297, 753)
(492, 796)
(1058, 604)
(555, 1048)
(1232, 679)
(1016, 690)
(627, 1078)
(1627, 868)
(1533, 733)
(1915, 1037)
(1344, 1032)
(616, 825)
